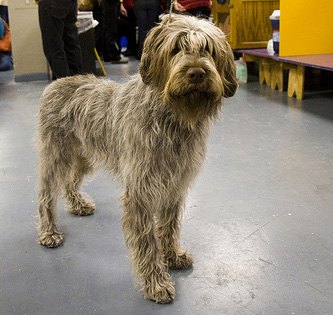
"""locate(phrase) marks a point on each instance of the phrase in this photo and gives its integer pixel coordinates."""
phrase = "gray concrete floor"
(258, 220)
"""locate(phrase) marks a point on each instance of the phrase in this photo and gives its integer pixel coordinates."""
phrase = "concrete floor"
(258, 222)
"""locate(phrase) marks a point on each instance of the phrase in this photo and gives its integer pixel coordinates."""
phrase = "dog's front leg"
(147, 256)
(169, 222)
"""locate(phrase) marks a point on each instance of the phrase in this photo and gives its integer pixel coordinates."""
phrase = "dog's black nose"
(196, 75)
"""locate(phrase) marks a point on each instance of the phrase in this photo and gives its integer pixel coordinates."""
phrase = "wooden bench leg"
(277, 76)
(264, 72)
(296, 82)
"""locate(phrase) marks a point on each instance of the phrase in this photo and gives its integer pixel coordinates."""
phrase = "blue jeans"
(6, 62)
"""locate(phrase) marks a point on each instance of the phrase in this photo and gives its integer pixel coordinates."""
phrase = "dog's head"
(191, 63)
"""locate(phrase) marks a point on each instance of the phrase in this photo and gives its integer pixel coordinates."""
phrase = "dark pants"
(127, 27)
(110, 29)
(146, 18)
(57, 21)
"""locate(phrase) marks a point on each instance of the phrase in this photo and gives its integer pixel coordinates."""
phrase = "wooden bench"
(271, 68)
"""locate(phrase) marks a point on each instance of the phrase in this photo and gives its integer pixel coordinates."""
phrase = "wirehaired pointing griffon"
(150, 132)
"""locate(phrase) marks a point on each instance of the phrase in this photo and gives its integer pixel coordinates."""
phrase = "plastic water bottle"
(241, 70)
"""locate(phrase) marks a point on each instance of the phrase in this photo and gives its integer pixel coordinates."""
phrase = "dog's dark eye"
(175, 50)
(213, 53)
(209, 50)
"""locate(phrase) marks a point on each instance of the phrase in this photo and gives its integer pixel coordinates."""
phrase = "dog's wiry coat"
(150, 132)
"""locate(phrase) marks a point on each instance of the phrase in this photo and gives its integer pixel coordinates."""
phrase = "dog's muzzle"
(196, 75)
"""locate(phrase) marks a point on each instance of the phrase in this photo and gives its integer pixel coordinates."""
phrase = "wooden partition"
(306, 27)
(246, 22)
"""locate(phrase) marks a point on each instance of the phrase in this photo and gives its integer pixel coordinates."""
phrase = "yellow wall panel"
(306, 27)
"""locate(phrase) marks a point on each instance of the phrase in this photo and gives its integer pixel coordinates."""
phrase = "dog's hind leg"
(50, 172)
(168, 231)
(147, 256)
(79, 204)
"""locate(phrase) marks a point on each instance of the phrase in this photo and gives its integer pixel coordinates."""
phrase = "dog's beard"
(194, 105)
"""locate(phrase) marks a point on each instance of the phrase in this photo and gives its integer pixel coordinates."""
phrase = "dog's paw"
(162, 293)
(180, 261)
(50, 238)
(84, 209)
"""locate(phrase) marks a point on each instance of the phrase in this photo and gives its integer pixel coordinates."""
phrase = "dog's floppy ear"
(229, 71)
(150, 55)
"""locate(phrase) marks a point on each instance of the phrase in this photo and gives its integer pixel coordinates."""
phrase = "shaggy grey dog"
(150, 132)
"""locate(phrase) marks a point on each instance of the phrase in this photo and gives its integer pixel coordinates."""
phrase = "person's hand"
(122, 10)
(178, 7)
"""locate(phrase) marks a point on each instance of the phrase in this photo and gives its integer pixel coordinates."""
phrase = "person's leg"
(131, 33)
(51, 21)
(6, 62)
(71, 40)
(153, 14)
(146, 20)
(110, 19)
(122, 29)
(141, 17)
(98, 30)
